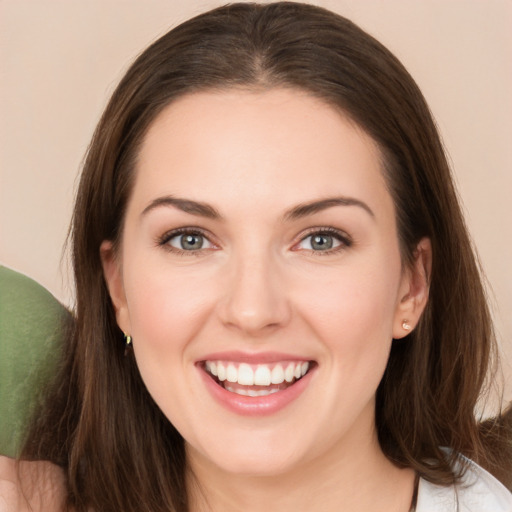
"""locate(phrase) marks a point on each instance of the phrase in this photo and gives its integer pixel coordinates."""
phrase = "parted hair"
(99, 422)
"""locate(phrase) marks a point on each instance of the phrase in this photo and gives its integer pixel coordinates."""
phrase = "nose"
(255, 301)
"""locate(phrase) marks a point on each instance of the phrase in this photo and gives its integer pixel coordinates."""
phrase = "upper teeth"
(257, 375)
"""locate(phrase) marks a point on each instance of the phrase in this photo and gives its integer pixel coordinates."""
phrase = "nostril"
(254, 302)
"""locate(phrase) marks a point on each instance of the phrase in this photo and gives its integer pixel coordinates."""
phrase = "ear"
(112, 272)
(414, 289)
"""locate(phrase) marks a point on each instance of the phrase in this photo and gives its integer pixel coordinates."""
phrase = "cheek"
(353, 316)
(353, 301)
(167, 306)
(166, 311)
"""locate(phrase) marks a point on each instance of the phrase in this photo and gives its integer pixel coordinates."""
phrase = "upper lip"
(253, 357)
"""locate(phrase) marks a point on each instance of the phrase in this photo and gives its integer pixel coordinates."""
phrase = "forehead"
(279, 144)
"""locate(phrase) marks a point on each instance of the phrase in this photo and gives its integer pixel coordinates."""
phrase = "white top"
(479, 491)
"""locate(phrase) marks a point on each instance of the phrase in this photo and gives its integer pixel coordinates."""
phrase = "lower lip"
(258, 405)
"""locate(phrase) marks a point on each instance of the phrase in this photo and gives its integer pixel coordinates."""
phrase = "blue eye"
(187, 241)
(323, 241)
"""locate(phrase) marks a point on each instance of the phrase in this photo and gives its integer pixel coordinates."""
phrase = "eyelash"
(344, 239)
(164, 240)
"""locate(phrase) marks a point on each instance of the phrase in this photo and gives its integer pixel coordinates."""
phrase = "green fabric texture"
(31, 330)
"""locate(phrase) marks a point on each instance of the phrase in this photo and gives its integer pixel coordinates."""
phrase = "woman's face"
(260, 278)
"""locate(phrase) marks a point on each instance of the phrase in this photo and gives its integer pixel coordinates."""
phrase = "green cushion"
(31, 330)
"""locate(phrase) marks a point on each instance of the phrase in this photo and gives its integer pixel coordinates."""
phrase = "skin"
(257, 286)
(31, 486)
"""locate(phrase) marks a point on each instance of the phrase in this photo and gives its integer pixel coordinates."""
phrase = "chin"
(250, 459)
(257, 466)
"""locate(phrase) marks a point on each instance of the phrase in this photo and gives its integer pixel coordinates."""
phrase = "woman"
(267, 214)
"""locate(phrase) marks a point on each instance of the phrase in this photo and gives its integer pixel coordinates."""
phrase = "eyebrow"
(186, 205)
(305, 209)
(297, 212)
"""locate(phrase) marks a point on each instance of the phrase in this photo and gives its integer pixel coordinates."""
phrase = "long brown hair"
(100, 424)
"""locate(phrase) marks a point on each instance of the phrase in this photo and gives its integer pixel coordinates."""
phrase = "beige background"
(60, 60)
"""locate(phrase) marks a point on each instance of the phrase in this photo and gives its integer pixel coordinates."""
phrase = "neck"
(354, 476)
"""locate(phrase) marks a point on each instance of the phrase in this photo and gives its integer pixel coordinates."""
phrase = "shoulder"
(8, 485)
(31, 486)
(478, 491)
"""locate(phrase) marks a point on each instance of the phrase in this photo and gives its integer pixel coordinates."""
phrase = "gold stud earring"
(406, 325)
(127, 344)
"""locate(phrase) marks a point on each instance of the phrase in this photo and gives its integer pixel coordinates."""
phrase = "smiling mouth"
(256, 380)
